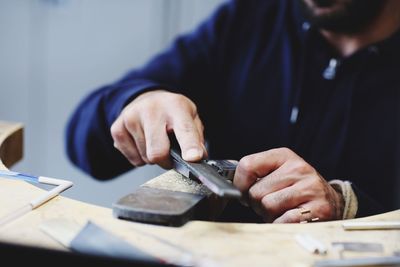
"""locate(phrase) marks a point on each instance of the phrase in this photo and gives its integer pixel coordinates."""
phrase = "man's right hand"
(141, 131)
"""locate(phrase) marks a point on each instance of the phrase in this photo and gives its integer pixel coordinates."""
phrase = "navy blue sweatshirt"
(262, 78)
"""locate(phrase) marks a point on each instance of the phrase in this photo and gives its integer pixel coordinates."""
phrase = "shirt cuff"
(349, 197)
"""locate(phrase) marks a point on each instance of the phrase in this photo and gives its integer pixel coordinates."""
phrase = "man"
(305, 93)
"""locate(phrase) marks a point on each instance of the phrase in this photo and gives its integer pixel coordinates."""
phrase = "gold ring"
(304, 211)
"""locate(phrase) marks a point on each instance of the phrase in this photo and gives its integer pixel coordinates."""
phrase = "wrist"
(340, 202)
(348, 203)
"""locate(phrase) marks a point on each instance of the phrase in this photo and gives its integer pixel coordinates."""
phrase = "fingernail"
(193, 154)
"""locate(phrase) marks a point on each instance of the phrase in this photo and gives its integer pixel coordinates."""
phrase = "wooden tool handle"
(11, 144)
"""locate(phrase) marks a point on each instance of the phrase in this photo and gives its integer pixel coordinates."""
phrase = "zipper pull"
(294, 114)
(330, 71)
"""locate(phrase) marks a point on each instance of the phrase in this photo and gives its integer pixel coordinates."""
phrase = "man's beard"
(353, 15)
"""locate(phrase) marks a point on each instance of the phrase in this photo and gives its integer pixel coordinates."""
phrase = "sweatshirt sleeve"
(187, 65)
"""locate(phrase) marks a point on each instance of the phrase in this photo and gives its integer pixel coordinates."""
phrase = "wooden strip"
(216, 244)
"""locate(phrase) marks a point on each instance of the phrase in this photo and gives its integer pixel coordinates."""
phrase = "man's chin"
(350, 16)
(323, 3)
(322, 12)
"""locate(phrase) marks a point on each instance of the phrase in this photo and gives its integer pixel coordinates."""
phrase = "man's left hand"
(279, 184)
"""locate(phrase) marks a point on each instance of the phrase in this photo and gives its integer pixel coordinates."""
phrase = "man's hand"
(278, 182)
(141, 130)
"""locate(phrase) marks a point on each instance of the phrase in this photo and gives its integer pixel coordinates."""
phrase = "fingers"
(275, 204)
(278, 181)
(157, 143)
(308, 191)
(297, 215)
(136, 131)
(189, 138)
(290, 173)
(200, 129)
(290, 216)
(125, 144)
(308, 212)
(281, 206)
(253, 167)
(275, 181)
(140, 133)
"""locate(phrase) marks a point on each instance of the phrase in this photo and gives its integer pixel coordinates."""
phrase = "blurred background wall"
(54, 52)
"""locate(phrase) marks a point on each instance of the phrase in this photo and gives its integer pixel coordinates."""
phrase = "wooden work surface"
(214, 244)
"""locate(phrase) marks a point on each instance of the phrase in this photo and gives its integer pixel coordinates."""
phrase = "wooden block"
(169, 199)
(11, 143)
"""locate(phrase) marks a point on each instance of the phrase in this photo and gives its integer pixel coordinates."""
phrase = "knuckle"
(301, 167)
(117, 133)
(178, 99)
(254, 193)
(272, 202)
(269, 209)
(131, 123)
(246, 165)
(279, 152)
(266, 203)
(193, 108)
(182, 102)
(131, 110)
(284, 150)
(116, 145)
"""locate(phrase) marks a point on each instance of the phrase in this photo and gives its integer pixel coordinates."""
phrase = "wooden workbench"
(213, 244)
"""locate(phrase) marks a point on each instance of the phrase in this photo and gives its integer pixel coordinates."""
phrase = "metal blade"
(206, 174)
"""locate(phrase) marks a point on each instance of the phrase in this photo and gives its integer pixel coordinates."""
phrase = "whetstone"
(169, 199)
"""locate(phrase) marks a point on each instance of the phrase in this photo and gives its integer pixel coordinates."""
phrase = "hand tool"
(169, 206)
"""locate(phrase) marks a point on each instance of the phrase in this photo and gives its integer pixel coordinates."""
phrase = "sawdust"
(174, 181)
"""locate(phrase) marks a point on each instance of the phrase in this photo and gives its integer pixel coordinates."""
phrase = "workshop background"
(54, 52)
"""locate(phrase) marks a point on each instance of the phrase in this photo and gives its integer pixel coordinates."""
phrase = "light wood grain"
(228, 244)
(212, 244)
